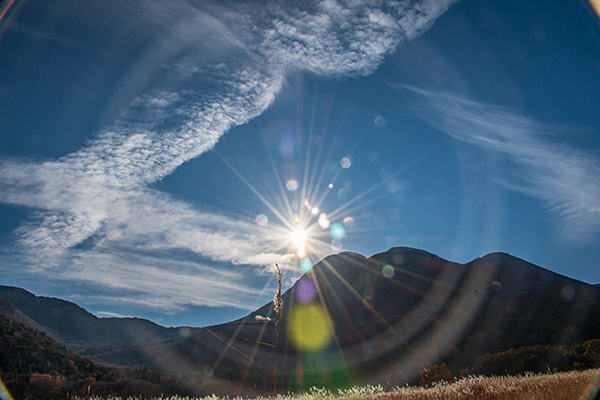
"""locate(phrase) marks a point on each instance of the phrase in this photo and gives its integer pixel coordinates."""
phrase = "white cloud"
(151, 281)
(565, 179)
(110, 314)
(95, 202)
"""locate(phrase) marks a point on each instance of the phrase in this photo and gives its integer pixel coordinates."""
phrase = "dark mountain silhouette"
(75, 327)
(26, 350)
(380, 320)
(28, 356)
(34, 365)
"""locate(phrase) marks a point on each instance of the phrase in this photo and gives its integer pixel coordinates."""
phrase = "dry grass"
(561, 386)
(584, 385)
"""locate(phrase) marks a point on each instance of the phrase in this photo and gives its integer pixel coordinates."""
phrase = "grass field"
(583, 385)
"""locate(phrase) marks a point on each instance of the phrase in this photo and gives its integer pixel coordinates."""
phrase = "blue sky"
(157, 158)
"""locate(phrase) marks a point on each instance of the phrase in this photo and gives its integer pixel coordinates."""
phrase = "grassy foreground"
(583, 385)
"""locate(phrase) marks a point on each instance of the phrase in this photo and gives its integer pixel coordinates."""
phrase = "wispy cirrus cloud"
(565, 179)
(219, 66)
(135, 277)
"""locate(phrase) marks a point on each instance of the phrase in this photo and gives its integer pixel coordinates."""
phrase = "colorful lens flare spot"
(330, 186)
(310, 328)
(292, 185)
(323, 221)
(305, 265)
(337, 231)
(349, 222)
(345, 163)
(262, 220)
(301, 253)
(342, 194)
(380, 120)
(387, 271)
(336, 245)
(305, 290)
(4, 393)
(314, 211)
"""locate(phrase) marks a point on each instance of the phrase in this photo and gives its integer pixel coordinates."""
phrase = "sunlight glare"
(323, 221)
(298, 236)
(301, 253)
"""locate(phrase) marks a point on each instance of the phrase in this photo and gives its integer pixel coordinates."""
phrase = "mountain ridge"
(371, 320)
(75, 327)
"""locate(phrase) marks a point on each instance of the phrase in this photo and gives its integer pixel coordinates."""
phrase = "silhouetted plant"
(278, 309)
(436, 373)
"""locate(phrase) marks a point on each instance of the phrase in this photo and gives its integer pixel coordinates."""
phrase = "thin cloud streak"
(168, 285)
(565, 179)
(98, 196)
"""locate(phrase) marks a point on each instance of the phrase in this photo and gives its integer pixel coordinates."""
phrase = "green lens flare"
(310, 328)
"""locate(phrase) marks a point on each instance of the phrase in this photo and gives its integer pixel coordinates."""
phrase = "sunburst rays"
(301, 215)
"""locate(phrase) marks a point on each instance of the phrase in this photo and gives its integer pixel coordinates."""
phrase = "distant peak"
(350, 254)
(344, 254)
(498, 255)
(404, 249)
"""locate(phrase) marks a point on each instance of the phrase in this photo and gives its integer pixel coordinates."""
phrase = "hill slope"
(75, 327)
(380, 320)
(354, 320)
(26, 350)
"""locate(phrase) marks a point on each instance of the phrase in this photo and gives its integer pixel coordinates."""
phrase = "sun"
(298, 236)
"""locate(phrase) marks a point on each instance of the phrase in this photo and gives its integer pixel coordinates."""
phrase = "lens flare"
(387, 271)
(380, 120)
(596, 6)
(292, 185)
(310, 328)
(336, 245)
(301, 253)
(337, 231)
(6, 9)
(349, 222)
(305, 290)
(305, 265)
(4, 393)
(262, 220)
(323, 221)
(345, 163)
